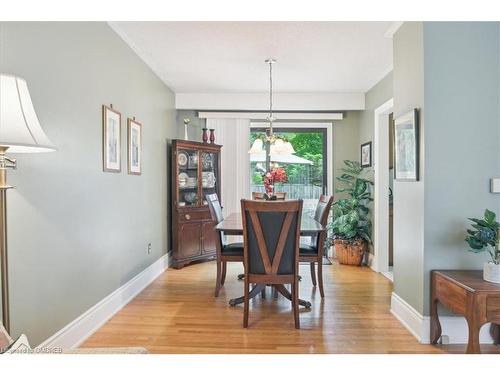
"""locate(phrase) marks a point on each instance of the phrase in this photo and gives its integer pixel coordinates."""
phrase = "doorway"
(382, 234)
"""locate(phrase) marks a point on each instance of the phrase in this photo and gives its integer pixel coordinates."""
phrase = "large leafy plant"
(484, 236)
(350, 215)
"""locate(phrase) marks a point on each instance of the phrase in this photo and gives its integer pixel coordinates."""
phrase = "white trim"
(381, 188)
(82, 327)
(454, 328)
(393, 28)
(277, 116)
(282, 101)
(329, 142)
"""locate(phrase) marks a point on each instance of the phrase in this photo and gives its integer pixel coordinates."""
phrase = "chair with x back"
(313, 253)
(271, 233)
(232, 252)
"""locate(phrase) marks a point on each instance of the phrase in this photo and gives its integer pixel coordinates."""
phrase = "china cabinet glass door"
(209, 174)
(187, 186)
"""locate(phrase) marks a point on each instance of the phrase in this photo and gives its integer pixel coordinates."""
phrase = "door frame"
(380, 262)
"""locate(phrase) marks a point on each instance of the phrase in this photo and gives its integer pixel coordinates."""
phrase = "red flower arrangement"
(270, 178)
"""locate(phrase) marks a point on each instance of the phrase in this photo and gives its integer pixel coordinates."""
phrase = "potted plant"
(350, 230)
(485, 237)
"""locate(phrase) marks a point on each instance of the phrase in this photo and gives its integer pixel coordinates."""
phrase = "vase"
(204, 136)
(350, 253)
(186, 132)
(212, 135)
(491, 272)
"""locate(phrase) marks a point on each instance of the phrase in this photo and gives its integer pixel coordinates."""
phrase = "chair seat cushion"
(235, 248)
(305, 249)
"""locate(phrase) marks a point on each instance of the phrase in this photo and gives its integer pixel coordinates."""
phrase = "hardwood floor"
(178, 313)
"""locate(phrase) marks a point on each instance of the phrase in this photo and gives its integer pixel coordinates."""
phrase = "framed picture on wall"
(406, 148)
(111, 139)
(134, 146)
(366, 154)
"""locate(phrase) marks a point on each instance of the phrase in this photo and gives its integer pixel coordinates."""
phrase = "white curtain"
(233, 135)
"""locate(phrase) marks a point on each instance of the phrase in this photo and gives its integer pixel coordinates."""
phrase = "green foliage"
(484, 236)
(350, 215)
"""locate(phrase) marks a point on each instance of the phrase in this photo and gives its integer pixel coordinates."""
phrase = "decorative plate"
(183, 179)
(208, 179)
(190, 197)
(193, 161)
(206, 161)
(182, 158)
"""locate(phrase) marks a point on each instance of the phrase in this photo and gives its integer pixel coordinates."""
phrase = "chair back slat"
(321, 214)
(259, 196)
(216, 215)
(271, 230)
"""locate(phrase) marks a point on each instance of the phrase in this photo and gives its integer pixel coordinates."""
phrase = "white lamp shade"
(20, 129)
(289, 148)
(257, 147)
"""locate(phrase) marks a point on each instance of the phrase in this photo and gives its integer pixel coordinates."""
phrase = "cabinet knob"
(187, 216)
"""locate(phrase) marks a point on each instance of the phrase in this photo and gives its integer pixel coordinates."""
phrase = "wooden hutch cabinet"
(196, 172)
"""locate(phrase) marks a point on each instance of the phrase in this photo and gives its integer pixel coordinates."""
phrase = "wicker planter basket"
(350, 253)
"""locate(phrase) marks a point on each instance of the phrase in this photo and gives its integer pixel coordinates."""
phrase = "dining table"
(233, 226)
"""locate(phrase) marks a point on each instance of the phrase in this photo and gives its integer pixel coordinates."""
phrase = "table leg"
(285, 293)
(495, 333)
(435, 325)
(253, 293)
(473, 346)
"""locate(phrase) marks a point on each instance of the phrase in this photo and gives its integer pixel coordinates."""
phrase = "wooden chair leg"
(275, 292)
(246, 303)
(320, 277)
(313, 273)
(295, 303)
(218, 278)
(223, 277)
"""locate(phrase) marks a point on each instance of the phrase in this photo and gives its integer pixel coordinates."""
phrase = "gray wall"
(194, 127)
(374, 98)
(408, 204)
(76, 233)
(461, 64)
(345, 144)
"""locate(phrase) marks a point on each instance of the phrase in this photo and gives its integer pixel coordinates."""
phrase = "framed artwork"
(134, 146)
(366, 154)
(111, 139)
(406, 147)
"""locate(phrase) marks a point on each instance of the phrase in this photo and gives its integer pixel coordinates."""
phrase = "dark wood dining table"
(233, 226)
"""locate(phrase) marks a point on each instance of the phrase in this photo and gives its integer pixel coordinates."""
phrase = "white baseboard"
(81, 328)
(454, 327)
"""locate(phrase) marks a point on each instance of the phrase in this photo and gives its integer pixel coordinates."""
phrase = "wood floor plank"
(178, 313)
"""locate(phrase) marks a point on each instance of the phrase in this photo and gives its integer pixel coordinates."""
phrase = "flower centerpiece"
(276, 174)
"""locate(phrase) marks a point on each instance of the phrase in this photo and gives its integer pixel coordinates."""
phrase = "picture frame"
(407, 147)
(134, 147)
(366, 154)
(111, 139)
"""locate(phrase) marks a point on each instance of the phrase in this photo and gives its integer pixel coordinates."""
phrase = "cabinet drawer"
(194, 216)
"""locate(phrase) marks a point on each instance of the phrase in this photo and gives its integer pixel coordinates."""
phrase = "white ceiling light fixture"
(272, 143)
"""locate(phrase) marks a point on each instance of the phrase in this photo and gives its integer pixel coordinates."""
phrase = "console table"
(467, 294)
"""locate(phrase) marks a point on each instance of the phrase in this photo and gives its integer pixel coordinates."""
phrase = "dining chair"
(313, 253)
(271, 232)
(259, 196)
(225, 252)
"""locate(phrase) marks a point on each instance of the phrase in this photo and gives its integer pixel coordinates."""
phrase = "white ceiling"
(209, 57)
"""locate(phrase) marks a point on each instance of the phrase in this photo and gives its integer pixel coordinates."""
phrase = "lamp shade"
(20, 129)
(257, 147)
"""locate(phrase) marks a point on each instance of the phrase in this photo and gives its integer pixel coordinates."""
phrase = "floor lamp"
(20, 132)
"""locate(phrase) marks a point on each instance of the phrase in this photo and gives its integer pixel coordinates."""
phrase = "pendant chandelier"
(270, 143)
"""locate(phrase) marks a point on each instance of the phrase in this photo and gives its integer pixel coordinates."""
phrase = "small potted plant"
(350, 230)
(485, 237)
